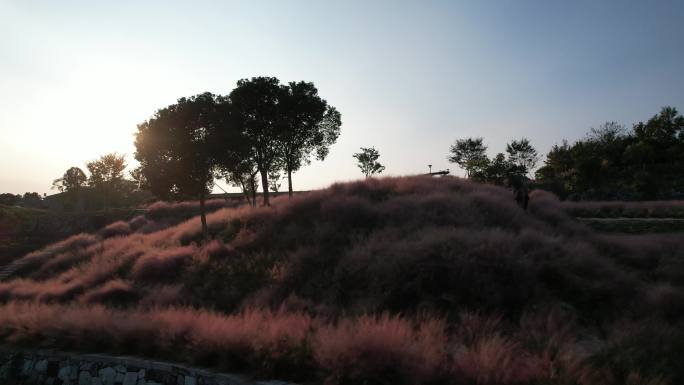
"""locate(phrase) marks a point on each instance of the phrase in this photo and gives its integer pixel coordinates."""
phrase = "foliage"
(309, 125)
(521, 155)
(367, 161)
(470, 154)
(174, 149)
(256, 112)
(615, 163)
(73, 179)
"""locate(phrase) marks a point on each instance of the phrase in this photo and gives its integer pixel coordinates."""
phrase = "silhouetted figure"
(521, 190)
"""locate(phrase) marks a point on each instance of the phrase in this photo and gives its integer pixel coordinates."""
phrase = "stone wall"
(60, 368)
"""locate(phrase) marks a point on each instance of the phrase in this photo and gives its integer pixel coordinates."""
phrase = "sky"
(409, 77)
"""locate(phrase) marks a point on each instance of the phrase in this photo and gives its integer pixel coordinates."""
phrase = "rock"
(41, 367)
(107, 375)
(64, 373)
(26, 368)
(84, 378)
(141, 374)
(131, 378)
(96, 381)
(190, 380)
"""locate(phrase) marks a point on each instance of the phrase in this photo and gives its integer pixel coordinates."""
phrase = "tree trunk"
(245, 192)
(289, 182)
(203, 217)
(264, 186)
(252, 181)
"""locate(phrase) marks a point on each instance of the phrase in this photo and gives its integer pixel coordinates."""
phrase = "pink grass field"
(408, 280)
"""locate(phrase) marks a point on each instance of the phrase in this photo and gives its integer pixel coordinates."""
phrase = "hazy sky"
(408, 77)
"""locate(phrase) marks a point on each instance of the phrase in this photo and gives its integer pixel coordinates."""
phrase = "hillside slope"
(395, 280)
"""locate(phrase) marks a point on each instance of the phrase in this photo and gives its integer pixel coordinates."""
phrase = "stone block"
(131, 378)
(107, 375)
(41, 367)
(64, 373)
(84, 378)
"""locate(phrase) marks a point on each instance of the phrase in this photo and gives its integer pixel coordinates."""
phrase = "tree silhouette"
(9, 199)
(257, 114)
(613, 162)
(522, 155)
(71, 183)
(174, 152)
(309, 125)
(469, 154)
(368, 161)
(106, 175)
(497, 170)
(73, 179)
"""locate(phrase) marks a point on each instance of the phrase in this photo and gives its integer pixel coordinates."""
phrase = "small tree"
(368, 161)
(106, 175)
(469, 154)
(73, 179)
(522, 155)
(71, 183)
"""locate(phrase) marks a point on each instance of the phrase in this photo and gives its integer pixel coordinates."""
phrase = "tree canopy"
(612, 162)
(174, 151)
(367, 160)
(469, 154)
(309, 125)
(522, 155)
(73, 179)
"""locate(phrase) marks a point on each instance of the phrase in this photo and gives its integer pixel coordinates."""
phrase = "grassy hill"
(397, 280)
(27, 229)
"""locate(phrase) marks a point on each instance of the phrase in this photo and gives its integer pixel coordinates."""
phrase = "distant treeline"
(611, 162)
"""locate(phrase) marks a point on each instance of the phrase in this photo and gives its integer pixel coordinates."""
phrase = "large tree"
(367, 160)
(470, 154)
(258, 116)
(308, 125)
(174, 151)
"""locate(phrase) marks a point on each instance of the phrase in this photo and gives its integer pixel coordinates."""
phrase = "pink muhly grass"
(473, 326)
(116, 229)
(70, 244)
(369, 346)
(162, 296)
(162, 264)
(494, 360)
(116, 291)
